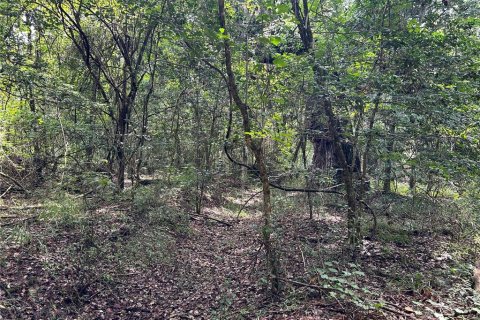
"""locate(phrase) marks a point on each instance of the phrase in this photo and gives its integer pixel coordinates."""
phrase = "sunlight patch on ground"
(332, 218)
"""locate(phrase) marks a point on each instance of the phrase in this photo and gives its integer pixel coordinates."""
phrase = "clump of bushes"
(150, 204)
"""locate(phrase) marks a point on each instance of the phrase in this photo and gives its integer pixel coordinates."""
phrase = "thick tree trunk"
(343, 156)
(353, 222)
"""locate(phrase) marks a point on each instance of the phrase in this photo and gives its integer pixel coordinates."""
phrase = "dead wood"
(4, 208)
(18, 184)
(14, 222)
(211, 218)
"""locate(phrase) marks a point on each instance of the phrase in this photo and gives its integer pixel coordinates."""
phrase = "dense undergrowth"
(135, 254)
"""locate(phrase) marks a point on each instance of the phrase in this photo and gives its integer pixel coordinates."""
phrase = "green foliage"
(19, 235)
(64, 210)
(390, 233)
(149, 204)
(342, 283)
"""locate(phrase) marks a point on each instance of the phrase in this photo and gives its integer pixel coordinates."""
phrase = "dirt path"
(211, 274)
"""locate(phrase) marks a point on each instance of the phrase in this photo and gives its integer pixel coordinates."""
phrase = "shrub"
(64, 210)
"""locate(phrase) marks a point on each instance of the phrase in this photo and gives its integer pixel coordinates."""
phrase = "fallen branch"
(8, 216)
(83, 195)
(18, 221)
(311, 286)
(463, 313)
(14, 181)
(38, 206)
(398, 312)
(211, 218)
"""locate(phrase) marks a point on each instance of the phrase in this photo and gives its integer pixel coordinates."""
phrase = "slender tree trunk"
(121, 133)
(387, 180)
(89, 148)
(371, 121)
(255, 145)
(308, 180)
(37, 161)
(412, 180)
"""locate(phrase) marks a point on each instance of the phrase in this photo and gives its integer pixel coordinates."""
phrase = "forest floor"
(115, 261)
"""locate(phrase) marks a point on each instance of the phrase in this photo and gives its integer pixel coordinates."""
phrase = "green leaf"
(275, 40)
(280, 61)
(283, 8)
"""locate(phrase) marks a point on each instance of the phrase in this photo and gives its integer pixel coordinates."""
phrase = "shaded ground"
(114, 264)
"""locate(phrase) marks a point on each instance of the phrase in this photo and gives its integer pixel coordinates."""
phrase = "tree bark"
(335, 142)
(353, 222)
(256, 147)
(387, 180)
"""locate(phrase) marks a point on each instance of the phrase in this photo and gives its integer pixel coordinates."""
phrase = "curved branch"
(277, 186)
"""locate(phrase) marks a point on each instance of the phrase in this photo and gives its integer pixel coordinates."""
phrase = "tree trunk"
(339, 148)
(308, 179)
(387, 180)
(353, 222)
(37, 162)
(255, 145)
(120, 143)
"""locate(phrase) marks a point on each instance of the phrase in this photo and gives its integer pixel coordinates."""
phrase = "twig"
(9, 216)
(368, 208)
(303, 259)
(385, 307)
(254, 263)
(21, 208)
(246, 202)
(397, 312)
(274, 185)
(8, 189)
(83, 195)
(307, 285)
(137, 309)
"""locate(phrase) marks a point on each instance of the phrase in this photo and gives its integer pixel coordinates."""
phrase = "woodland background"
(302, 159)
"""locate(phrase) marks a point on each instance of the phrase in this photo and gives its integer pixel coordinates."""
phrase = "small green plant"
(389, 233)
(149, 204)
(20, 235)
(65, 210)
(342, 283)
